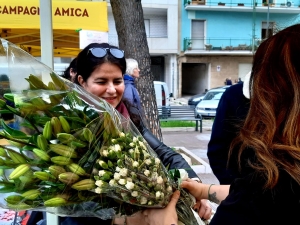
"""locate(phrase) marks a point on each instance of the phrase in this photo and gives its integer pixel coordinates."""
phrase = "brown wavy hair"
(272, 126)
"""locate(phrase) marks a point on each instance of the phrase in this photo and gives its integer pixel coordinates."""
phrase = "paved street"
(194, 141)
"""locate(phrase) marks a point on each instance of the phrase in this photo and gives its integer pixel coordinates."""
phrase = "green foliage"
(177, 123)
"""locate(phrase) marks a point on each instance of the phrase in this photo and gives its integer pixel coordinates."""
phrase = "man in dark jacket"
(231, 113)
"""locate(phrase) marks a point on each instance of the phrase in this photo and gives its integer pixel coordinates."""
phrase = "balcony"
(207, 5)
(218, 46)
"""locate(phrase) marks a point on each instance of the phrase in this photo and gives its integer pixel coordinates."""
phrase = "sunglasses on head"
(102, 52)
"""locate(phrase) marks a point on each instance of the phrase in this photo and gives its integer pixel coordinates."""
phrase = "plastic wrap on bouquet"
(74, 154)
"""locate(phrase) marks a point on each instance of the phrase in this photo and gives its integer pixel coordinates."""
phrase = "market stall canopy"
(20, 24)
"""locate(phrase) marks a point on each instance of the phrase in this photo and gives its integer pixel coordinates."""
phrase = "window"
(265, 31)
(147, 27)
(271, 2)
(198, 34)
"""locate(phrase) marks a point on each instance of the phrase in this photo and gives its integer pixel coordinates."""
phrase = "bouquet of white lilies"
(74, 154)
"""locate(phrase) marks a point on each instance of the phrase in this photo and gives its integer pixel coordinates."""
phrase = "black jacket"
(167, 155)
(231, 113)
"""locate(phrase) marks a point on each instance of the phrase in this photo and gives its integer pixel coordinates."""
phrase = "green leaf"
(7, 189)
(9, 97)
(28, 147)
(13, 132)
(5, 111)
(76, 119)
(40, 120)
(13, 110)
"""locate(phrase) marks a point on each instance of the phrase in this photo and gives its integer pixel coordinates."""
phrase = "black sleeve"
(231, 112)
(167, 155)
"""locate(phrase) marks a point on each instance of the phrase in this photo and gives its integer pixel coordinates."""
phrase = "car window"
(218, 96)
(213, 96)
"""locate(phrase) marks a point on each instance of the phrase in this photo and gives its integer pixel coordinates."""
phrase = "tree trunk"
(129, 20)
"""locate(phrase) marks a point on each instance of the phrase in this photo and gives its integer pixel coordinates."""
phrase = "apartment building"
(218, 39)
(161, 24)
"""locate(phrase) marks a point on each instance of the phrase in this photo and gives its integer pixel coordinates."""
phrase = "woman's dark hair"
(87, 63)
(72, 66)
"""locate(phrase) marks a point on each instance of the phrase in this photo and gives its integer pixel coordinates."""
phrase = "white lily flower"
(158, 195)
(100, 183)
(112, 182)
(117, 176)
(143, 200)
(147, 173)
(129, 185)
(122, 181)
(117, 148)
(154, 174)
(131, 144)
(124, 194)
(143, 146)
(157, 161)
(148, 161)
(105, 153)
(131, 151)
(135, 139)
(134, 194)
(121, 134)
(101, 173)
(159, 180)
(146, 154)
(169, 189)
(98, 190)
(183, 174)
(123, 172)
(118, 169)
(135, 164)
(132, 173)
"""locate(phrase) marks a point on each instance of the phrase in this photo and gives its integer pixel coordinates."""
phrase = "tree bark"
(129, 20)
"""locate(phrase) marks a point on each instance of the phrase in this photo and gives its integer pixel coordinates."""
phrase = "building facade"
(218, 39)
(161, 24)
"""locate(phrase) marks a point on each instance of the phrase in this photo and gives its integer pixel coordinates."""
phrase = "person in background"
(267, 148)
(130, 93)
(228, 81)
(8, 118)
(71, 71)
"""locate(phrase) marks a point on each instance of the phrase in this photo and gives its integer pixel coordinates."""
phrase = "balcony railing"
(287, 4)
(226, 44)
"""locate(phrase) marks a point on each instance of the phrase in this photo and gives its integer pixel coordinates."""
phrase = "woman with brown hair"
(267, 149)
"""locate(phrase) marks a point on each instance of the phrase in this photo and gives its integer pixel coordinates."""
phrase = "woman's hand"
(203, 208)
(166, 216)
(214, 193)
(196, 189)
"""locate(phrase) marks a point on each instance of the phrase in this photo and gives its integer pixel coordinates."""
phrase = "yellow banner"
(66, 15)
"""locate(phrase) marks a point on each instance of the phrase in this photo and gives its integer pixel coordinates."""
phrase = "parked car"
(162, 96)
(207, 107)
(194, 100)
